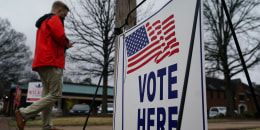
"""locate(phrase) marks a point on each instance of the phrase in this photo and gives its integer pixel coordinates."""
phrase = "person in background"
(49, 62)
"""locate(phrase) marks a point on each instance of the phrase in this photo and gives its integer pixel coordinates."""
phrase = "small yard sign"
(34, 91)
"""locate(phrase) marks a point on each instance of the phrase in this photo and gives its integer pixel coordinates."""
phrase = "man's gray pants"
(51, 78)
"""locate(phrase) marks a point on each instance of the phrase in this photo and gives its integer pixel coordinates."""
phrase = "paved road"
(70, 128)
(234, 125)
(4, 126)
(3, 123)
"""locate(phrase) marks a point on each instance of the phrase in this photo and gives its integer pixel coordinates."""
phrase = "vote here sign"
(152, 59)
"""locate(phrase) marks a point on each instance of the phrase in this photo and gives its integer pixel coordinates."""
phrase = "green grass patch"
(69, 121)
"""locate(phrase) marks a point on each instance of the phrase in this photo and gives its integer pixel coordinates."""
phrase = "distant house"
(243, 99)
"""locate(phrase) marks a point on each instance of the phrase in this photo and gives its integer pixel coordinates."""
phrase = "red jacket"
(50, 42)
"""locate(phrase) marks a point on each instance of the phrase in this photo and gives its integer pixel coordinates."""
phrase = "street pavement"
(234, 125)
(3, 123)
(103, 127)
(238, 125)
(4, 126)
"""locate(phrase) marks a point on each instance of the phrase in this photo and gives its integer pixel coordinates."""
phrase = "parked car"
(110, 108)
(79, 109)
(53, 111)
(216, 111)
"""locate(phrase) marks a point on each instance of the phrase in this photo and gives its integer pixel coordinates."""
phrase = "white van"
(110, 108)
(216, 111)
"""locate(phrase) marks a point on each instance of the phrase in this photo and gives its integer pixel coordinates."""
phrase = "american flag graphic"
(151, 42)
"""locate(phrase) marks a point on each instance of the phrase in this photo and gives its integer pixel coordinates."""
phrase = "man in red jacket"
(49, 62)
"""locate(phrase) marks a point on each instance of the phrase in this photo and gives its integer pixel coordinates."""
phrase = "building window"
(219, 95)
(241, 97)
(211, 94)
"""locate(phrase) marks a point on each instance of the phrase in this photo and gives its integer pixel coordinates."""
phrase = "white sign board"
(34, 91)
(151, 64)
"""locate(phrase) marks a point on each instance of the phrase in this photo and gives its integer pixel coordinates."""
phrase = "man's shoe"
(19, 120)
(54, 128)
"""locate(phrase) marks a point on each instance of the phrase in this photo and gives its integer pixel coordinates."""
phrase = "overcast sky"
(23, 14)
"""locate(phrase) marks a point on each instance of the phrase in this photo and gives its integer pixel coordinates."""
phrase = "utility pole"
(123, 7)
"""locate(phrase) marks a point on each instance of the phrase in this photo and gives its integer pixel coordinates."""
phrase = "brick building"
(243, 99)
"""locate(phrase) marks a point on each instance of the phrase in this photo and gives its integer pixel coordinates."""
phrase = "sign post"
(152, 59)
(17, 98)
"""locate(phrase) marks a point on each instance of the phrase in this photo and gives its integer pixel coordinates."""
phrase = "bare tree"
(91, 28)
(221, 54)
(14, 56)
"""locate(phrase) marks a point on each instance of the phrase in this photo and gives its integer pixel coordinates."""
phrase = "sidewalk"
(234, 125)
(70, 128)
(4, 126)
(4, 123)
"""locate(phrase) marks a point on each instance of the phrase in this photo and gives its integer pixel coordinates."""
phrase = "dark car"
(79, 109)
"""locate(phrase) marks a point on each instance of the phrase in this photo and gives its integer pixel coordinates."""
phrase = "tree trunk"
(104, 95)
(229, 91)
(105, 73)
(230, 97)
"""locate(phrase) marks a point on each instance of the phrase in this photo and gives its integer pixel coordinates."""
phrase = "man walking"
(49, 62)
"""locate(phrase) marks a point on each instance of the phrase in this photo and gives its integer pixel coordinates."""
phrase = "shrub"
(249, 114)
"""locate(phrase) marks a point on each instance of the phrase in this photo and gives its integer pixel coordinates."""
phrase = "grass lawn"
(69, 121)
(222, 120)
(79, 121)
